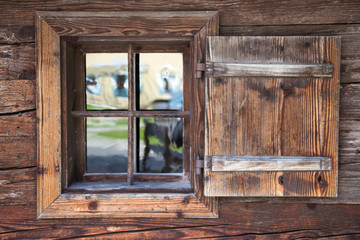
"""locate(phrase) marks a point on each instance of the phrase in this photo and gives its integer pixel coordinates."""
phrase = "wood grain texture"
(246, 12)
(240, 221)
(349, 102)
(17, 61)
(174, 24)
(269, 163)
(268, 116)
(18, 124)
(17, 95)
(17, 152)
(223, 69)
(49, 115)
(18, 186)
(198, 106)
(69, 205)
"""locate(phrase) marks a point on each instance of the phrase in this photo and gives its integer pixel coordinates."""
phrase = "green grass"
(115, 134)
(95, 107)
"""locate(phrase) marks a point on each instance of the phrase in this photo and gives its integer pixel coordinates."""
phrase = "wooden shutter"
(272, 116)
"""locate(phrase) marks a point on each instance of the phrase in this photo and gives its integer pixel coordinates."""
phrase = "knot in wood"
(281, 180)
(93, 205)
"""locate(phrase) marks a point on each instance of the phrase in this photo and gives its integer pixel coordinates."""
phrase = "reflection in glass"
(160, 145)
(106, 81)
(107, 145)
(161, 80)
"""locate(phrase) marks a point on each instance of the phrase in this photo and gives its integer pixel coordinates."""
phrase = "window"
(135, 115)
(259, 115)
(68, 187)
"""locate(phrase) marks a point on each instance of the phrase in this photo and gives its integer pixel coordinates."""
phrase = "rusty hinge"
(199, 165)
(200, 68)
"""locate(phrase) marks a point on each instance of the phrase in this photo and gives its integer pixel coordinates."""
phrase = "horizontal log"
(17, 95)
(17, 152)
(269, 163)
(350, 102)
(238, 220)
(217, 69)
(18, 186)
(17, 61)
(17, 125)
(16, 34)
(232, 13)
(350, 71)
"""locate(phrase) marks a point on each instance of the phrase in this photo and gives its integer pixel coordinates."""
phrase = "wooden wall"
(239, 217)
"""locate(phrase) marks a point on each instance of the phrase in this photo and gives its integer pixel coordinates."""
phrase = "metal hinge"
(199, 166)
(200, 68)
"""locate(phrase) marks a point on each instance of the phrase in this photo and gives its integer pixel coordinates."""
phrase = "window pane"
(160, 145)
(107, 145)
(106, 81)
(161, 81)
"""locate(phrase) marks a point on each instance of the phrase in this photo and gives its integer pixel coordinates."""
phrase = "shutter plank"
(272, 116)
(268, 70)
(269, 163)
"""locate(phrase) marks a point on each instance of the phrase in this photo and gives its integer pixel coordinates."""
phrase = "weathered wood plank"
(269, 163)
(231, 12)
(350, 71)
(350, 33)
(273, 117)
(18, 124)
(198, 48)
(49, 105)
(350, 102)
(237, 220)
(71, 205)
(18, 186)
(17, 95)
(17, 61)
(17, 152)
(16, 34)
(174, 24)
(272, 69)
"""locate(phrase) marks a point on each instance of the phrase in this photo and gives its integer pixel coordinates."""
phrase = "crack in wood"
(18, 112)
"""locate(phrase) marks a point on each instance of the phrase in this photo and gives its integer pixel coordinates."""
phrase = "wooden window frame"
(54, 30)
(76, 107)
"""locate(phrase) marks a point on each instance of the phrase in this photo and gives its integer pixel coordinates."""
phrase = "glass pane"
(106, 81)
(161, 81)
(106, 145)
(160, 145)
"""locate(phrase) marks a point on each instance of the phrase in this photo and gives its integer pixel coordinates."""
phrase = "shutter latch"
(200, 68)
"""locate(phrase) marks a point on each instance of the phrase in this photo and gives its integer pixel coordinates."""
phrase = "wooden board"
(268, 163)
(272, 116)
